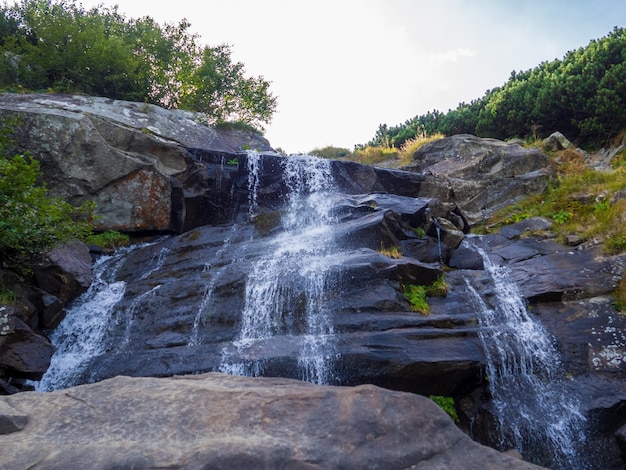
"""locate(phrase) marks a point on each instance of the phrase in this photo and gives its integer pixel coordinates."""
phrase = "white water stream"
(79, 337)
(536, 411)
(285, 290)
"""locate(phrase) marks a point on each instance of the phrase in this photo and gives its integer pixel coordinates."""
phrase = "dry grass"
(373, 155)
(413, 145)
(391, 252)
(389, 156)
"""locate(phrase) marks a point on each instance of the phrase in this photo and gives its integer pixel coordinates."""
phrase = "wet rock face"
(185, 295)
(569, 292)
(218, 421)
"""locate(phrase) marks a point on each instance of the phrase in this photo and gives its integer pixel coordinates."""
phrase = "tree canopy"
(60, 46)
(583, 96)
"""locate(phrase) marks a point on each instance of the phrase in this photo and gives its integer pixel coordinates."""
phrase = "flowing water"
(79, 337)
(536, 411)
(285, 290)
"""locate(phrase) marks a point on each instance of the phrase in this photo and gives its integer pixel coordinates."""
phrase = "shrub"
(620, 295)
(373, 155)
(439, 288)
(417, 294)
(238, 125)
(578, 202)
(31, 221)
(7, 297)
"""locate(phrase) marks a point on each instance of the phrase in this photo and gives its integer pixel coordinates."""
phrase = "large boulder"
(140, 163)
(23, 352)
(217, 421)
(483, 175)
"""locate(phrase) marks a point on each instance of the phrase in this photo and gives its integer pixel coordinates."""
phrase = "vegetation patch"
(620, 295)
(439, 288)
(371, 155)
(7, 296)
(581, 95)
(416, 295)
(110, 239)
(580, 201)
(447, 405)
(391, 252)
(414, 144)
(31, 221)
(60, 46)
(265, 222)
(239, 126)
(331, 152)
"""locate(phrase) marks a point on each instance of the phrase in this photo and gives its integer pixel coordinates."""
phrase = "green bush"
(581, 95)
(417, 294)
(439, 288)
(61, 46)
(31, 221)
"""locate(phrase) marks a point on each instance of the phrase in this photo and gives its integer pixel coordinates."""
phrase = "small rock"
(573, 240)
(11, 420)
(529, 225)
(556, 141)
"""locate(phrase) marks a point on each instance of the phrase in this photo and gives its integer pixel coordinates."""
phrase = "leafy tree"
(60, 46)
(31, 221)
(218, 87)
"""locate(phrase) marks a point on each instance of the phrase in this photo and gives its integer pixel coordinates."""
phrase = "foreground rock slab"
(218, 421)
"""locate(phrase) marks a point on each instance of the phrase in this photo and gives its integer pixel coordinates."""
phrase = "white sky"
(339, 68)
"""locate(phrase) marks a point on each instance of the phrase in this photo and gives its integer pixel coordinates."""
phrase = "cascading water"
(536, 411)
(78, 337)
(284, 294)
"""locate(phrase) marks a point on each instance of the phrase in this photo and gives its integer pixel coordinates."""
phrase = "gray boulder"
(217, 421)
(64, 272)
(61, 275)
(138, 162)
(483, 175)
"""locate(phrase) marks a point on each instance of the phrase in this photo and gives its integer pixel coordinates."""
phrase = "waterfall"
(536, 412)
(285, 290)
(80, 336)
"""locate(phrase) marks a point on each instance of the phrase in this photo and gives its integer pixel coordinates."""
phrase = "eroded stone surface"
(217, 421)
(482, 175)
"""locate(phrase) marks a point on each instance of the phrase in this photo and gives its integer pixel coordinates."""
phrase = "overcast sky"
(342, 67)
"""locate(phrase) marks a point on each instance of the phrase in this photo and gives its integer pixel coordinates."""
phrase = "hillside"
(582, 95)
